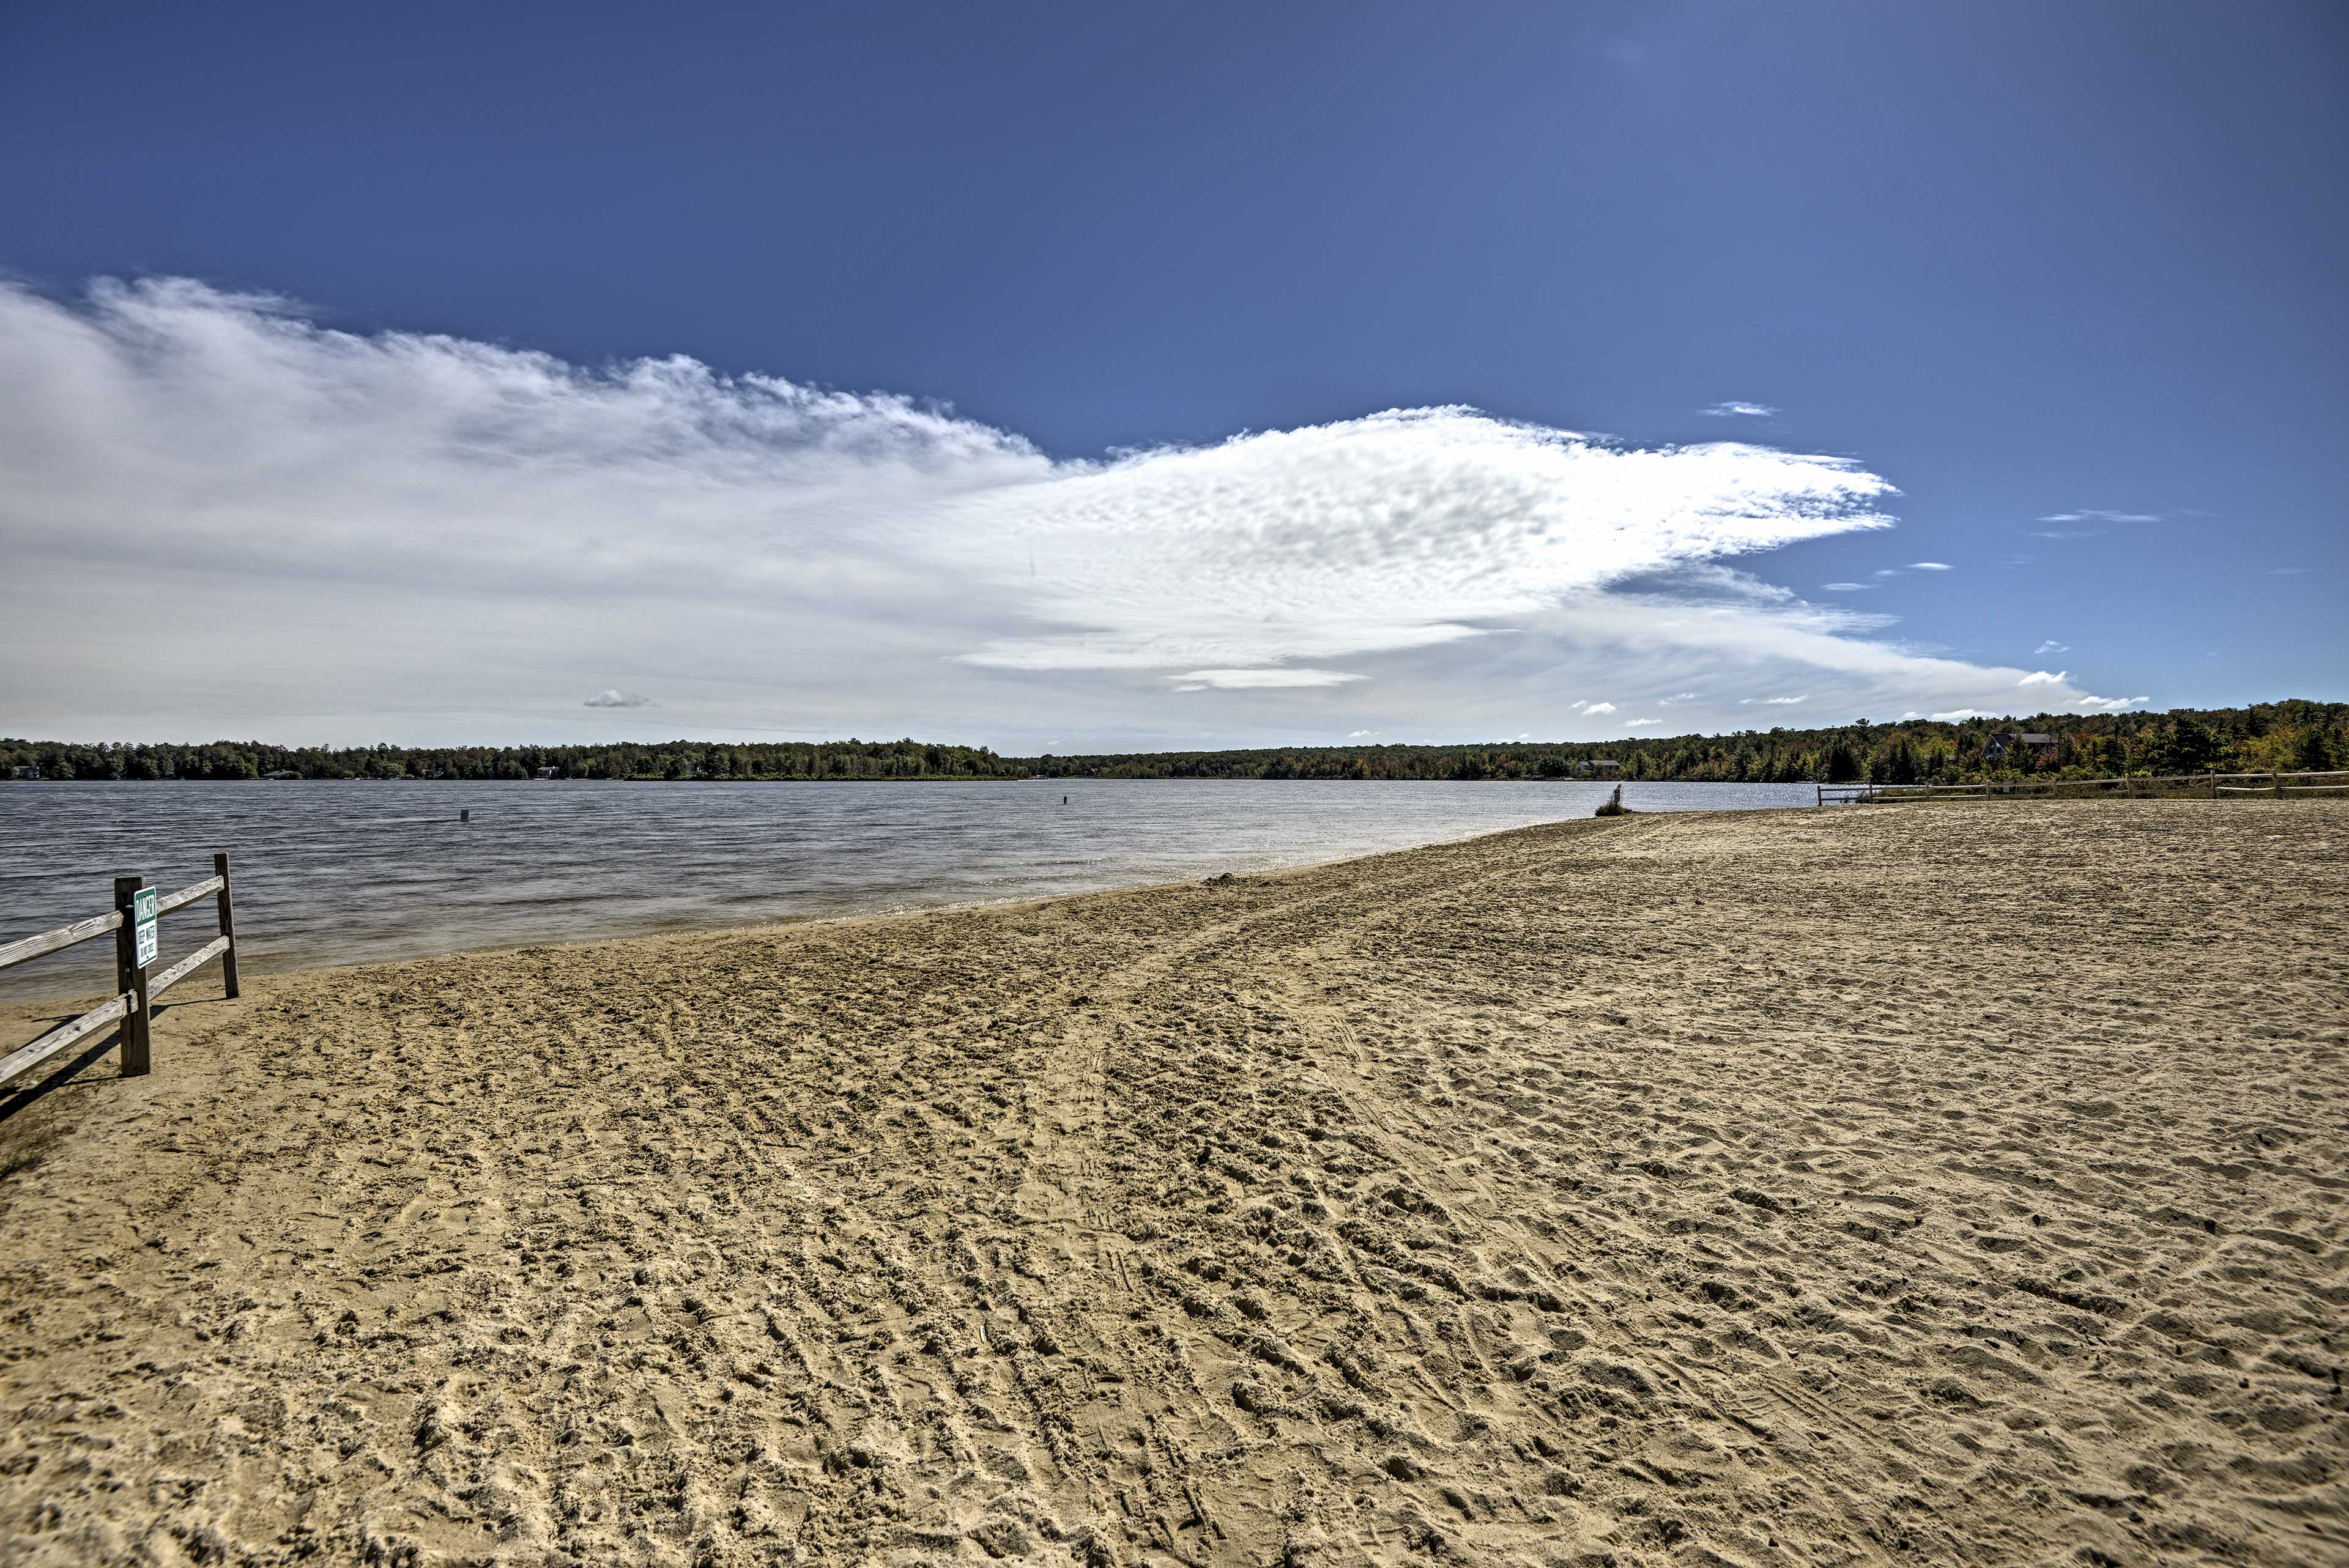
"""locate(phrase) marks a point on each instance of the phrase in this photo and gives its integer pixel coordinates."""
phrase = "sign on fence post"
(142, 914)
(134, 949)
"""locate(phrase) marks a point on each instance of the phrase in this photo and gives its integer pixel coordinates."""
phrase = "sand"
(1955, 1184)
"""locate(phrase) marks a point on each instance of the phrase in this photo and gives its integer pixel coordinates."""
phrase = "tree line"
(231, 760)
(2287, 737)
(2283, 736)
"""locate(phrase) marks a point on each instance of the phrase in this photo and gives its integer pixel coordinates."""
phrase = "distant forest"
(667, 759)
(2284, 736)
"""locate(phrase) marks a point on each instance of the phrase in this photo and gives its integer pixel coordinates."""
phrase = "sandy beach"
(1961, 1184)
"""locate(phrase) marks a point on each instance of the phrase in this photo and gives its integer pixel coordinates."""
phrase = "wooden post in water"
(130, 976)
(227, 924)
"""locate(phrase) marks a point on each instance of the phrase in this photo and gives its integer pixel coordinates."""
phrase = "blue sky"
(2066, 281)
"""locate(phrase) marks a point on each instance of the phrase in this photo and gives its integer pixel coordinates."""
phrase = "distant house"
(546, 773)
(1596, 765)
(26, 773)
(2002, 741)
(282, 773)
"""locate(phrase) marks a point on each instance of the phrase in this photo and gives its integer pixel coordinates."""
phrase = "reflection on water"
(347, 873)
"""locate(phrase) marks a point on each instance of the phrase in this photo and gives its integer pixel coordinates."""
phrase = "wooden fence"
(135, 988)
(2127, 786)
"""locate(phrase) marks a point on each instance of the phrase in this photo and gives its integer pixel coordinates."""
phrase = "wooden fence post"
(130, 976)
(227, 925)
(2275, 783)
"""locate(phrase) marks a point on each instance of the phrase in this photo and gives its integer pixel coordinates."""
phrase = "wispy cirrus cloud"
(815, 561)
(1738, 409)
(2090, 523)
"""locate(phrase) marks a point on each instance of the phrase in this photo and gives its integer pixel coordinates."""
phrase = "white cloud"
(2041, 677)
(1959, 714)
(1929, 566)
(1362, 734)
(1773, 701)
(435, 539)
(2051, 647)
(1400, 531)
(1886, 571)
(1264, 680)
(1735, 410)
(612, 697)
(1845, 587)
(1670, 701)
(2097, 514)
(1640, 723)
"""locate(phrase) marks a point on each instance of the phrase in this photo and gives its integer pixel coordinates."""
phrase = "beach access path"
(1959, 1183)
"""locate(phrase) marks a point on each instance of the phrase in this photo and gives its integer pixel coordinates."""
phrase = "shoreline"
(14, 1007)
(1754, 1184)
(264, 965)
(352, 877)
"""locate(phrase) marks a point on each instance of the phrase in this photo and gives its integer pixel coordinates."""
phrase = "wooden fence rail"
(2128, 784)
(135, 989)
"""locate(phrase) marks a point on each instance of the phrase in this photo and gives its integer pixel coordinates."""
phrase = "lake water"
(349, 872)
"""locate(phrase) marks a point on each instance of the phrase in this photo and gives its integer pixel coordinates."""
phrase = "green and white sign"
(142, 922)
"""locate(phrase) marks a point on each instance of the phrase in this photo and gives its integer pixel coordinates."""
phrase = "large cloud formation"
(222, 517)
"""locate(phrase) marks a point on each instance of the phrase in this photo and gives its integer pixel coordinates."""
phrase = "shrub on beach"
(1614, 806)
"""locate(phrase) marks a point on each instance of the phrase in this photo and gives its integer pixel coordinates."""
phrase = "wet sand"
(1960, 1184)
